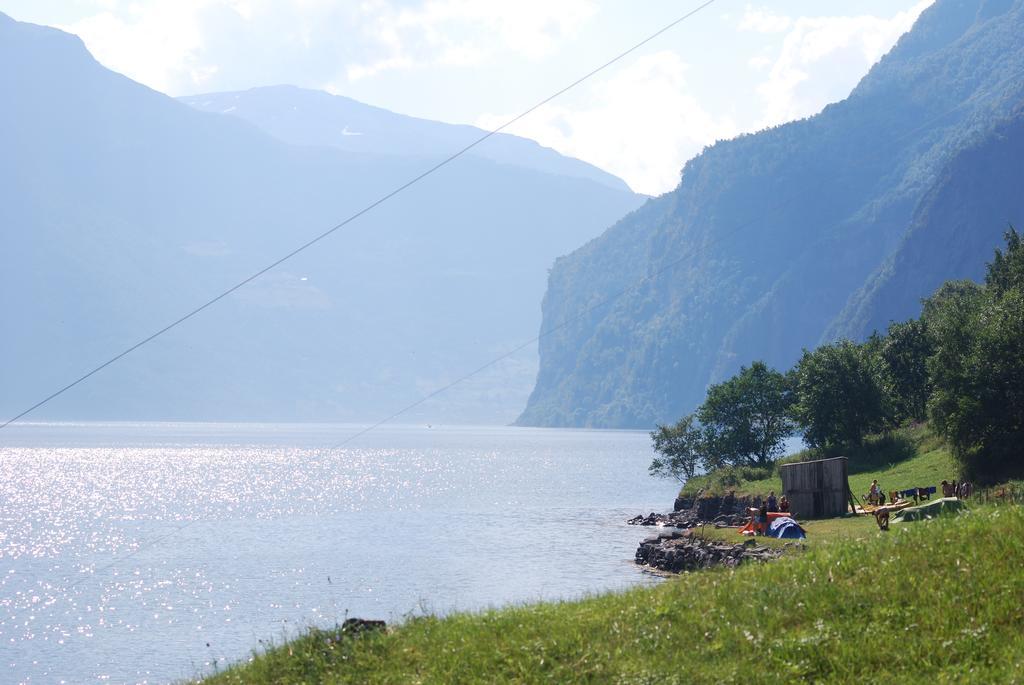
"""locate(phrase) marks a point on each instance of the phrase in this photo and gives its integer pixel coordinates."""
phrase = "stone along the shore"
(682, 551)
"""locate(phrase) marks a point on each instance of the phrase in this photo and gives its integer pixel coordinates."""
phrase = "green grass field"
(936, 601)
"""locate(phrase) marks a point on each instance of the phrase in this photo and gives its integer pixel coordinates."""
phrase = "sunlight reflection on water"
(146, 552)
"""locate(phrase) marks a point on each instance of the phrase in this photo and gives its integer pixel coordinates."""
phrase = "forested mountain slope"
(777, 241)
(123, 208)
(951, 236)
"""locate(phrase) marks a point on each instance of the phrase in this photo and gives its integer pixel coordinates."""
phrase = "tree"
(978, 367)
(840, 394)
(951, 315)
(1006, 270)
(680, 448)
(747, 418)
(995, 430)
(904, 351)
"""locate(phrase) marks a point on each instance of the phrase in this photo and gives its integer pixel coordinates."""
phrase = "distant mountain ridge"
(123, 208)
(795, 235)
(312, 117)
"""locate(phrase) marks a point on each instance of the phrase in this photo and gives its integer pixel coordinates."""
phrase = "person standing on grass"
(784, 504)
(773, 504)
(762, 520)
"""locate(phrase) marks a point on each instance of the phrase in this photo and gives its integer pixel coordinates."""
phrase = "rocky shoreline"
(690, 512)
(683, 550)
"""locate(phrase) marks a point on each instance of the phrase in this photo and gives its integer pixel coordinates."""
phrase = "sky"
(734, 67)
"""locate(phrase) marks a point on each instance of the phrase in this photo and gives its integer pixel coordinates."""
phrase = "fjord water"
(154, 552)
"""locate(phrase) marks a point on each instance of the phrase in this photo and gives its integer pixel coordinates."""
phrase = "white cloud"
(355, 72)
(180, 46)
(640, 123)
(157, 46)
(822, 58)
(465, 32)
(759, 62)
(763, 21)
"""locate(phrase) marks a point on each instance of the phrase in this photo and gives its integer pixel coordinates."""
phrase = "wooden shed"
(816, 489)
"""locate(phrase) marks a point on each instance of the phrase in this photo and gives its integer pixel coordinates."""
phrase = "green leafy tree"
(951, 316)
(1006, 271)
(747, 418)
(978, 367)
(840, 394)
(679, 449)
(993, 444)
(743, 422)
(904, 351)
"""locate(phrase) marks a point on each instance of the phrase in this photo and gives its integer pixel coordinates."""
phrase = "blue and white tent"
(785, 527)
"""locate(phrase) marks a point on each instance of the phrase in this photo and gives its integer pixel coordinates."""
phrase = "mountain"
(312, 117)
(123, 209)
(952, 233)
(776, 241)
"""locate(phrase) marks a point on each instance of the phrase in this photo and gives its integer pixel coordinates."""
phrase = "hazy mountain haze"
(124, 208)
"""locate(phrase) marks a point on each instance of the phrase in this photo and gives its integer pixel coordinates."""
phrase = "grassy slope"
(819, 532)
(911, 457)
(939, 600)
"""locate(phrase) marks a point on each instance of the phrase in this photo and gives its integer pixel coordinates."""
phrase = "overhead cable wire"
(373, 205)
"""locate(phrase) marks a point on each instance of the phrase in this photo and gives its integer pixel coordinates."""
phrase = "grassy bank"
(819, 532)
(940, 600)
(909, 457)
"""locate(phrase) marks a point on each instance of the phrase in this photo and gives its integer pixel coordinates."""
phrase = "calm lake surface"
(154, 552)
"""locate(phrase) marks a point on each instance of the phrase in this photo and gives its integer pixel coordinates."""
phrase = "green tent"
(940, 507)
